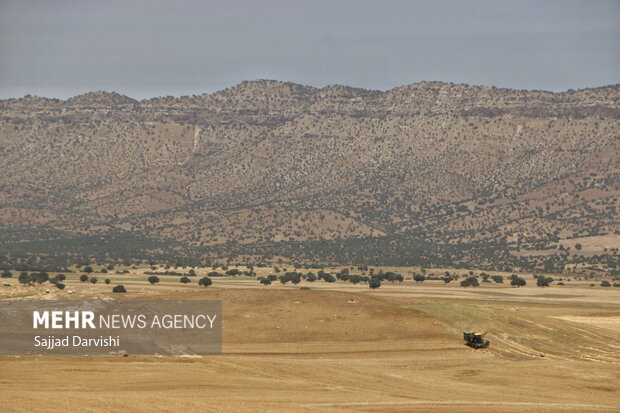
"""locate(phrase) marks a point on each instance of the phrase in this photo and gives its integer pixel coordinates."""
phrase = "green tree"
(205, 282)
(25, 278)
(470, 282)
(374, 283)
(329, 278)
(543, 281)
(40, 277)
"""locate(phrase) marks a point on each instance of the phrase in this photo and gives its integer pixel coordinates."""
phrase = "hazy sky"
(148, 48)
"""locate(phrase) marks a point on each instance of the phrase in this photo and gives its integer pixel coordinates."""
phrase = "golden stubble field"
(346, 348)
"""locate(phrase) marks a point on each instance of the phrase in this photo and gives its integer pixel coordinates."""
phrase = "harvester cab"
(475, 340)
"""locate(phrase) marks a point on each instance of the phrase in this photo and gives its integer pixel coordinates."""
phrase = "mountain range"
(427, 174)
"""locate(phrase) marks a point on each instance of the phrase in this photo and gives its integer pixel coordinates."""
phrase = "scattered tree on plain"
(543, 281)
(25, 278)
(517, 281)
(205, 282)
(374, 283)
(470, 282)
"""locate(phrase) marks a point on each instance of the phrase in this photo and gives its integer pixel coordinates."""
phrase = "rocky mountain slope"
(431, 173)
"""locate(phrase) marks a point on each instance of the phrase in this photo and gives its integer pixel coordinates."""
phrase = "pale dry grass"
(346, 349)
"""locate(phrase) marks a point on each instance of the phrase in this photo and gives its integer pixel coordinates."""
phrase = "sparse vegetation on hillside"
(427, 174)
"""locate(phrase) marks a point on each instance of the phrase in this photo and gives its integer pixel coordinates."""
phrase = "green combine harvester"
(475, 340)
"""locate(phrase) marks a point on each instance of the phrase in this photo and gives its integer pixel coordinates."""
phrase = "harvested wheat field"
(349, 349)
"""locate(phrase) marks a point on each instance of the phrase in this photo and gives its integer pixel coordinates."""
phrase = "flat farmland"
(338, 347)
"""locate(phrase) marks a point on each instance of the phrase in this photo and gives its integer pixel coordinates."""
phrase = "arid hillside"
(431, 173)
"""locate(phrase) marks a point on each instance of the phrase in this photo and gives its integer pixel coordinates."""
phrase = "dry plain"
(339, 347)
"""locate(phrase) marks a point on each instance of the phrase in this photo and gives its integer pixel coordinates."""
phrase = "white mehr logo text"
(63, 319)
